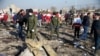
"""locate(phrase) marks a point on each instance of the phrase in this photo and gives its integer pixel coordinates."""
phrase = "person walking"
(96, 30)
(55, 24)
(85, 24)
(20, 22)
(5, 18)
(77, 22)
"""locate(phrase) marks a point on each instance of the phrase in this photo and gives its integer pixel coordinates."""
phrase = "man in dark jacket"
(96, 30)
(86, 24)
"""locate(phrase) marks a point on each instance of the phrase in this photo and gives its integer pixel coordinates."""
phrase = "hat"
(30, 10)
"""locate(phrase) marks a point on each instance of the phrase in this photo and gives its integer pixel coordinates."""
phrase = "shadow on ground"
(67, 34)
(13, 33)
(45, 35)
(20, 49)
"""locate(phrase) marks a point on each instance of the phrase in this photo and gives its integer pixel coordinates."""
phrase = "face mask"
(53, 15)
(30, 14)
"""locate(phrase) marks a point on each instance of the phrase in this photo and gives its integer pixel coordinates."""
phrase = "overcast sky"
(49, 3)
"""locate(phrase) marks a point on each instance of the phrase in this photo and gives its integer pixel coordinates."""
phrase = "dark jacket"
(96, 27)
(86, 21)
(20, 20)
(26, 18)
(39, 16)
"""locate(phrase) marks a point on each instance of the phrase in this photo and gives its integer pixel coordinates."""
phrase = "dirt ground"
(9, 44)
(63, 46)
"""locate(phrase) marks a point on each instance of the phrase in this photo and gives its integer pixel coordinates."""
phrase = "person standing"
(39, 19)
(31, 25)
(55, 24)
(5, 18)
(66, 18)
(96, 30)
(86, 24)
(20, 22)
(48, 17)
(77, 22)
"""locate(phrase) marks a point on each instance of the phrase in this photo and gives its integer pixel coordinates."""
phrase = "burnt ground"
(64, 45)
(11, 45)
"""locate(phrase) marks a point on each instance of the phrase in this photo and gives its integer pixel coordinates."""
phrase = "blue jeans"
(97, 42)
(20, 29)
(85, 33)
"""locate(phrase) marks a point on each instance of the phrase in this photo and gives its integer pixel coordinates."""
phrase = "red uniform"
(44, 17)
(48, 18)
(5, 18)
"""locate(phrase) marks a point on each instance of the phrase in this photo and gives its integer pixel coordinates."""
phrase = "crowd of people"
(84, 22)
(30, 20)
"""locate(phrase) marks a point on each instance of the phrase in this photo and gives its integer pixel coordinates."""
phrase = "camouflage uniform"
(55, 26)
(31, 25)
